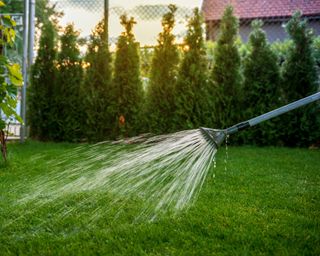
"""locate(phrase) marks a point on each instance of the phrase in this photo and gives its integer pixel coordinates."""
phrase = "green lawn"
(265, 201)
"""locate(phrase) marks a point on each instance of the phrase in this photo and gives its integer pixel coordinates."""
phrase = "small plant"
(10, 78)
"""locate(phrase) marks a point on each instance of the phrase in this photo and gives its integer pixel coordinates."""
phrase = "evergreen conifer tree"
(97, 87)
(163, 76)
(261, 86)
(226, 76)
(127, 92)
(41, 92)
(68, 103)
(300, 127)
(191, 92)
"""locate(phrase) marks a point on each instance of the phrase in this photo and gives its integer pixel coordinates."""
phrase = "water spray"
(164, 173)
(216, 137)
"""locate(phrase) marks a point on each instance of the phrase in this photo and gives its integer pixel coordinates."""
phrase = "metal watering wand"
(216, 137)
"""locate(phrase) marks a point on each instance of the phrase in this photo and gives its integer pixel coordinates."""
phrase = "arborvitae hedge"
(127, 86)
(261, 88)
(226, 77)
(41, 91)
(192, 98)
(68, 105)
(96, 91)
(300, 127)
(177, 95)
(163, 76)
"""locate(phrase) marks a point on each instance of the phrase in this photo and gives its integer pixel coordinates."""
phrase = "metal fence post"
(24, 70)
(31, 30)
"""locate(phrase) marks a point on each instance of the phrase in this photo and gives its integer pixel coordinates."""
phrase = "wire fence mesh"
(86, 14)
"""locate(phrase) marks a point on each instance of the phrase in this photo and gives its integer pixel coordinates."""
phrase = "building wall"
(274, 30)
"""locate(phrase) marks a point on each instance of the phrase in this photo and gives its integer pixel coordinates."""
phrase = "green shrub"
(163, 76)
(127, 86)
(316, 50)
(68, 105)
(96, 92)
(226, 88)
(192, 99)
(261, 87)
(300, 127)
(41, 117)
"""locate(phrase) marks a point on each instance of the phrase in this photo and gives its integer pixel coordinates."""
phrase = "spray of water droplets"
(166, 172)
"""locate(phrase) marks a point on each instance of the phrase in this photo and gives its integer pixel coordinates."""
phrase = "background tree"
(261, 86)
(68, 105)
(226, 77)
(97, 87)
(300, 127)
(41, 91)
(127, 86)
(163, 76)
(191, 93)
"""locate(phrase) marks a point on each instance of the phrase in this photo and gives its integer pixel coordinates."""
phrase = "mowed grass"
(264, 201)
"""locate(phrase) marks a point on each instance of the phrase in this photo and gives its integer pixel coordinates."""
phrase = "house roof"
(252, 9)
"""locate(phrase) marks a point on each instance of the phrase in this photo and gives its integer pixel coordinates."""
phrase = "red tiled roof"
(251, 9)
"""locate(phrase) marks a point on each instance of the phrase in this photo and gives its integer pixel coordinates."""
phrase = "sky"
(86, 17)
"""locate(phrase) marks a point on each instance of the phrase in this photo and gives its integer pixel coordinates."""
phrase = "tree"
(191, 92)
(163, 76)
(41, 91)
(10, 78)
(127, 86)
(226, 88)
(300, 127)
(261, 86)
(68, 111)
(97, 87)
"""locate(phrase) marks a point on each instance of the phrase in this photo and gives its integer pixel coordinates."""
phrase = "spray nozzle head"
(213, 136)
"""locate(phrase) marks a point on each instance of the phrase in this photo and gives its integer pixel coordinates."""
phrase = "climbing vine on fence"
(10, 77)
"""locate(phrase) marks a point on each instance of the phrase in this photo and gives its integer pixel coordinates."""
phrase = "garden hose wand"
(216, 137)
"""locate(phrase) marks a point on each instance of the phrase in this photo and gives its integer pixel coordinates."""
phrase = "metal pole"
(32, 9)
(31, 30)
(284, 109)
(24, 69)
(106, 20)
(273, 113)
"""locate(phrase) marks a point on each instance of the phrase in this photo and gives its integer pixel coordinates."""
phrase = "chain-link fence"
(86, 14)
(14, 54)
(15, 10)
